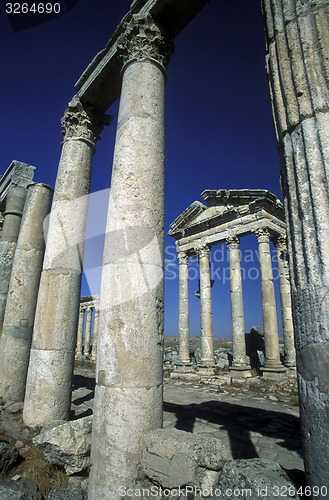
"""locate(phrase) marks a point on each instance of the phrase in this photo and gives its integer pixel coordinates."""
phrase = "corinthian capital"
(262, 235)
(182, 257)
(143, 39)
(83, 122)
(281, 244)
(233, 242)
(202, 251)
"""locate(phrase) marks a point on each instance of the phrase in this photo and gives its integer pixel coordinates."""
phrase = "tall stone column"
(128, 396)
(88, 331)
(298, 69)
(271, 336)
(183, 309)
(49, 380)
(207, 350)
(95, 334)
(239, 366)
(285, 294)
(10, 230)
(80, 332)
(16, 338)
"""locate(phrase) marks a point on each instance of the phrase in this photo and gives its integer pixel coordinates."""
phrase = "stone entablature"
(228, 216)
(216, 222)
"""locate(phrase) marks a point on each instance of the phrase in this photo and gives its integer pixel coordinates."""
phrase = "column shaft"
(285, 294)
(49, 380)
(16, 338)
(298, 73)
(128, 395)
(80, 332)
(88, 331)
(207, 350)
(271, 335)
(10, 230)
(183, 309)
(95, 334)
(237, 309)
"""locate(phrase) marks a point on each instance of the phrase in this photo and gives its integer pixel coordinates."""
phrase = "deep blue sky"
(219, 131)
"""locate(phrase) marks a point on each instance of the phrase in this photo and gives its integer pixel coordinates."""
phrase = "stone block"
(67, 444)
(253, 478)
(175, 458)
(18, 490)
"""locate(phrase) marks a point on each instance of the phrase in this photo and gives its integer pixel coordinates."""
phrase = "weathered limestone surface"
(174, 458)
(11, 225)
(16, 338)
(237, 309)
(271, 338)
(95, 334)
(80, 333)
(255, 478)
(88, 331)
(128, 396)
(48, 389)
(207, 349)
(66, 444)
(298, 72)
(183, 309)
(285, 295)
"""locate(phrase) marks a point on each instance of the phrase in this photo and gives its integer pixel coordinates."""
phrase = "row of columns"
(128, 395)
(87, 331)
(22, 289)
(128, 399)
(271, 338)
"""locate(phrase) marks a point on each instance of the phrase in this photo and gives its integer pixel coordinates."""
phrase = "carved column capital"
(182, 258)
(202, 251)
(281, 244)
(262, 235)
(83, 122)
(233, 242)
(143, 39)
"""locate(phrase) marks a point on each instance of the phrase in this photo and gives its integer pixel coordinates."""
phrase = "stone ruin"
(228, 216)
(128, 397)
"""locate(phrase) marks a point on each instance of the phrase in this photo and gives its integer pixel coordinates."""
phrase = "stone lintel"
(239, 227)
(208, 220)
(100, 83)
(238, 196)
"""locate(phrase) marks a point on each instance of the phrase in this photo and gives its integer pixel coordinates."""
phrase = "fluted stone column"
(80, 332)
(239, 366)
(88, 331)
(16, 338)
(298, 69)
(183, 309)
(49, 380)
(95, 334)
(207, 350)
(271, 336)
(10, 230)
(285, 294)
(128, 396)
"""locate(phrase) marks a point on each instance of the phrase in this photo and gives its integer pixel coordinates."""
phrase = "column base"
(206, 369)
(183, 367)
(242, 371)
(273, 372)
